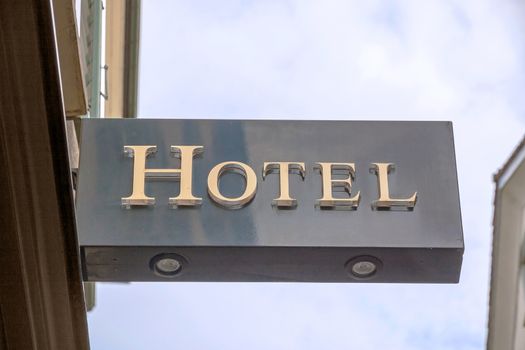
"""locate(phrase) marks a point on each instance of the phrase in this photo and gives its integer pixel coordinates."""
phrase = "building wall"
(507, 300)
(519, 335)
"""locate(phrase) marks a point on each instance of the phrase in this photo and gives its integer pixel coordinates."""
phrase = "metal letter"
(141, 173)
(328, 200)
(236, 167)
(284, 168)
(384, 201)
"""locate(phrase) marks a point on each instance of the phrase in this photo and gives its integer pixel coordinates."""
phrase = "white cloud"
(453, 60)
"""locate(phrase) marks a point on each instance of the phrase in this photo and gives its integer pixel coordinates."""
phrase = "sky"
(462, 61)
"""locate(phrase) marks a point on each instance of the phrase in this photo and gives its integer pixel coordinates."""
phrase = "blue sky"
(336, 59)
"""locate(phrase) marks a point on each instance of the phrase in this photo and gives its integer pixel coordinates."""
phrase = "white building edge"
(506, 328)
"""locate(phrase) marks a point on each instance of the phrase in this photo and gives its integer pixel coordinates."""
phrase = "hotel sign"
(234, 200)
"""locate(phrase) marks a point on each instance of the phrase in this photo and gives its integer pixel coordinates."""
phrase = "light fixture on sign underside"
(168, 264)
(363, 267)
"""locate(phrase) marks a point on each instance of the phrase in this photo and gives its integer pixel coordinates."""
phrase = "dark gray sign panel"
(212, 200)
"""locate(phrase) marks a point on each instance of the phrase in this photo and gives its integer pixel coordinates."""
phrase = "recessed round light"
(363, 267)
(167, 265)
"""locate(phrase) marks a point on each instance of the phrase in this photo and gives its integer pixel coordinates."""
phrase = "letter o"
(236, 167)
